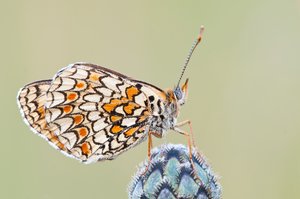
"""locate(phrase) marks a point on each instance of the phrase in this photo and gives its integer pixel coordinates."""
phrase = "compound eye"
(178, 93)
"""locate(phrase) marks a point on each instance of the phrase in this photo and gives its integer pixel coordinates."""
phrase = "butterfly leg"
(150, 145)
(187, 135)
(191, 130)
(191, 142)
(190, 138)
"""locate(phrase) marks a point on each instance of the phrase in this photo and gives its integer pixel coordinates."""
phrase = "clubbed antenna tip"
(200, 33)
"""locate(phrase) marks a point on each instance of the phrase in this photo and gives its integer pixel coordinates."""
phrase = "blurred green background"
(244, 91)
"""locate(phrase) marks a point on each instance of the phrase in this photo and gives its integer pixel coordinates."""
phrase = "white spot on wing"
(66, 72)
(100, 137)
(31, 97)
(88, 106)
(92, 98)
(111, 83)
(66, 84)
(53, 113)
(130, 141)
(115, 144)
(106, 147)
(31, 106)
(122, 137)
(99, 125)
(140, 99)
(64, 124)
(80, 74)
(123, 89)
(129, 121)
(119, 109)
(54, 98)
(93, 116)
(138, 111)
(69, 139)
(105, 91)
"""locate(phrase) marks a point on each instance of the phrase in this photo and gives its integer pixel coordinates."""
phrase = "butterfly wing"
(31, 101)
(97, 113)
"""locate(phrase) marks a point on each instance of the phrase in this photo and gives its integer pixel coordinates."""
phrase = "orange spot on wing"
(60, 145)
(80, 85)
(85, 148)
(116, 129)
(131, 92)
(124, 99)
(72, 96)
(49, 135)
(142, 118)
(78, 119)
(109, 107)
(115, 118)
(130, 107)
(67, 109)
(41, 111)
(94, 77)
(54, 139)
(83, 132)
(131, 131)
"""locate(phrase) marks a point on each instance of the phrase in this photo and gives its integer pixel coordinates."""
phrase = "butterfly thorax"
(165, 114)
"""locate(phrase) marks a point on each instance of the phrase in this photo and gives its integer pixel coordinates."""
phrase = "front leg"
(190, 139)
(191, 130)
(187, 135)
(150, 146)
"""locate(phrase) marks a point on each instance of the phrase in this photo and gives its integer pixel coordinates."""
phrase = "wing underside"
(89, 112)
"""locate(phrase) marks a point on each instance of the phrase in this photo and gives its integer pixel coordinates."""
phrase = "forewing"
(97, 113)
(31, 100)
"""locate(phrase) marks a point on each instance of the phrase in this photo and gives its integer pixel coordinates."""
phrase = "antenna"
(197, 41)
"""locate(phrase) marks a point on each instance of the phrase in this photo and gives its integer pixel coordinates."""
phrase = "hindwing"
(97, 113)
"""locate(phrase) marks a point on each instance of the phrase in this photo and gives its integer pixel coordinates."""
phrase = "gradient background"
(244, 92)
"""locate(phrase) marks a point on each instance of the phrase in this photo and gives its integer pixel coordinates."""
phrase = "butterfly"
(92, 113)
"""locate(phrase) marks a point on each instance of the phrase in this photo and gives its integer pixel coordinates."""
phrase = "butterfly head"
(180, 93)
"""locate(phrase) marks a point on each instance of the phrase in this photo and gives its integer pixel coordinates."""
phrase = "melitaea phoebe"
(93, 113)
